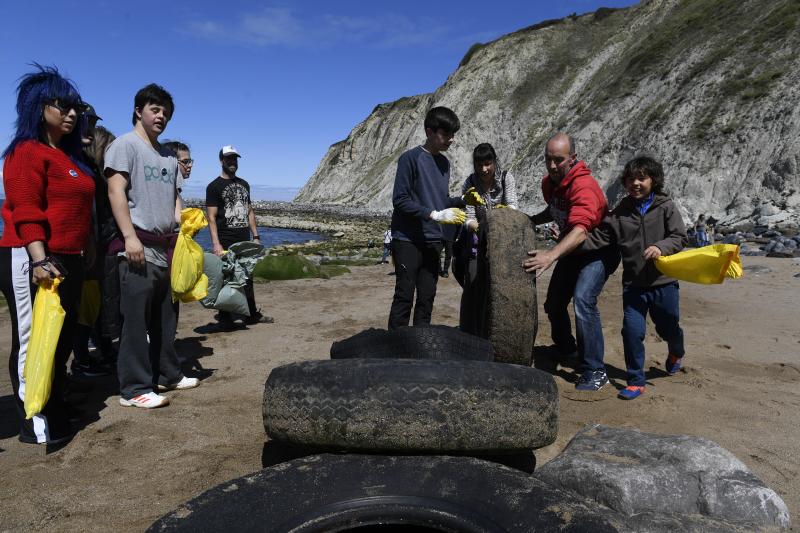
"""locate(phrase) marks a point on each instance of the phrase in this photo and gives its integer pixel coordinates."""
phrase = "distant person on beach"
(387, 245)
(87, 364)
(701, 231)
(498, 189)
(577, 204)
(231, 219)
(142, 178)
(421, 204)
(644, 226)
(47, 217)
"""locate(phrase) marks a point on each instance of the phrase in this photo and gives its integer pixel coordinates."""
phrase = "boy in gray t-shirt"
(151, 192)
(141, 188)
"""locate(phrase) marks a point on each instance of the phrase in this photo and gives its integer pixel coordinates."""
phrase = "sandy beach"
(126, 467)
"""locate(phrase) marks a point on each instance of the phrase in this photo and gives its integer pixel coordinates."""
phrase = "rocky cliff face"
(710, 87)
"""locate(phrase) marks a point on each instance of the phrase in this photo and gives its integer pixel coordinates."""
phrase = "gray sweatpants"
(146, 307)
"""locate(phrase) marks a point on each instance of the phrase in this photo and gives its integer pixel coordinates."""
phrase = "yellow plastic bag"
(48, 317)
(709, 264)
(198, 292)
(187, 259)
(89, 309)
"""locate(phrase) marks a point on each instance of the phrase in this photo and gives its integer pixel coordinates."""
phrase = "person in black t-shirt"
(231, 219)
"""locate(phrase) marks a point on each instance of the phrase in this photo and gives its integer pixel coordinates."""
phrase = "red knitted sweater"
(48, 198)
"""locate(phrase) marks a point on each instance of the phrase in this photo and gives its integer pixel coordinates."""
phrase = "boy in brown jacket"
(644, 226)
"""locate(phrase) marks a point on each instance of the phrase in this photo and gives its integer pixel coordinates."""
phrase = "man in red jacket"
(576, 204)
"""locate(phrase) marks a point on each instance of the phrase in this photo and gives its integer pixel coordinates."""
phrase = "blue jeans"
(702, 238)
(580, 279)
(663, 304)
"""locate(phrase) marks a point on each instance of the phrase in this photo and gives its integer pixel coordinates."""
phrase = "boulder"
(783, 254)
(767, 210)
(634, 472)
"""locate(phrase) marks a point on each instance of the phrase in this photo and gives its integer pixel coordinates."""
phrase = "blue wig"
(34, 91)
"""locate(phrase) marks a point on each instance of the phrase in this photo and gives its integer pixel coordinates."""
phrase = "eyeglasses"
(186, 161)
(63, 108)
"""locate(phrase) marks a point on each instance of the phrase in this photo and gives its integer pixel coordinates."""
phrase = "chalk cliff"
(710, 87)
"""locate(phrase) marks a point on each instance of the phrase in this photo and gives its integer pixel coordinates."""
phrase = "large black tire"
(325, 493)
(402, 405)
(418, 342)
(512, 306)
(276, 452)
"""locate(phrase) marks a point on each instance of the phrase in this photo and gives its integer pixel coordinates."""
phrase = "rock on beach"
(635, 472)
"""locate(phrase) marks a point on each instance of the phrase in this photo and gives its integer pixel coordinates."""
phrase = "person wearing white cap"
(231, 219)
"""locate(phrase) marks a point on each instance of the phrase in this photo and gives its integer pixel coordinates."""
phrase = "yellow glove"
(452, 215)
(500, 206)
(471, 197)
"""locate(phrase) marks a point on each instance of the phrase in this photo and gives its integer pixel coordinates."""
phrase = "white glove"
(452, 215)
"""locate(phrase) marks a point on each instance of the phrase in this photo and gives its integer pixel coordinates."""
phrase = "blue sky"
(280, 81)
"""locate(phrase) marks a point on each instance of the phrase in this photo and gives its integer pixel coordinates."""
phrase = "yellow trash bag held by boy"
(48, 317)
(188, 282)
(709, 264)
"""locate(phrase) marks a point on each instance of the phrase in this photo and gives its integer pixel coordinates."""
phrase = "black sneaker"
(91, 371)
(592, 380)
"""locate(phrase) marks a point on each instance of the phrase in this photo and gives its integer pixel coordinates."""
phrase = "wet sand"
(126, 467)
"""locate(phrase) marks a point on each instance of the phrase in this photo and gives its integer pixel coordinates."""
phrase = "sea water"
(269, 236)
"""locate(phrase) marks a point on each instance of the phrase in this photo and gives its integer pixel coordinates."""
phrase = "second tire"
(411, 405)
(417, 342)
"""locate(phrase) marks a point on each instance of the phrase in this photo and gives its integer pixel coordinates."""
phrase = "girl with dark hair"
(498, 189)
(47, 216)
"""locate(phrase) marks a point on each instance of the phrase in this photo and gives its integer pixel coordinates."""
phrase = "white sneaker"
(184, 383)
(151, 400)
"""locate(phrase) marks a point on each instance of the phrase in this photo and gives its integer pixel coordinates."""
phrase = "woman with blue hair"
(47, 213)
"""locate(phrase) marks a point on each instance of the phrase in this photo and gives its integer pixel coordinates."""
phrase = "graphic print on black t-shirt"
(235, 201)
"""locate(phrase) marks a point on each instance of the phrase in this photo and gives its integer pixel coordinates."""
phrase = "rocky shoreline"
(352, 228)
(348, 228)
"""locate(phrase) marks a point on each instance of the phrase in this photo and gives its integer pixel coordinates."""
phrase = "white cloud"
(280, 26)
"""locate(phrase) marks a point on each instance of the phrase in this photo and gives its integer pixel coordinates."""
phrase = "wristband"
(43, 262)
(257, 237)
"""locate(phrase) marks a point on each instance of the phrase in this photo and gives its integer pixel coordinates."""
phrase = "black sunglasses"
(187, 161)
(78, 106)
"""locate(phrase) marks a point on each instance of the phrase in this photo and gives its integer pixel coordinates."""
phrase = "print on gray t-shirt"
(151, 186)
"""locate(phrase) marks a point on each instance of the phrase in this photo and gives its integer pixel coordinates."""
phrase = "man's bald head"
(559, 156)
(560, 139)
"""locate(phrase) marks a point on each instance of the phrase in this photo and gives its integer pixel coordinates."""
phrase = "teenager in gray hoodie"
(644, 226)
